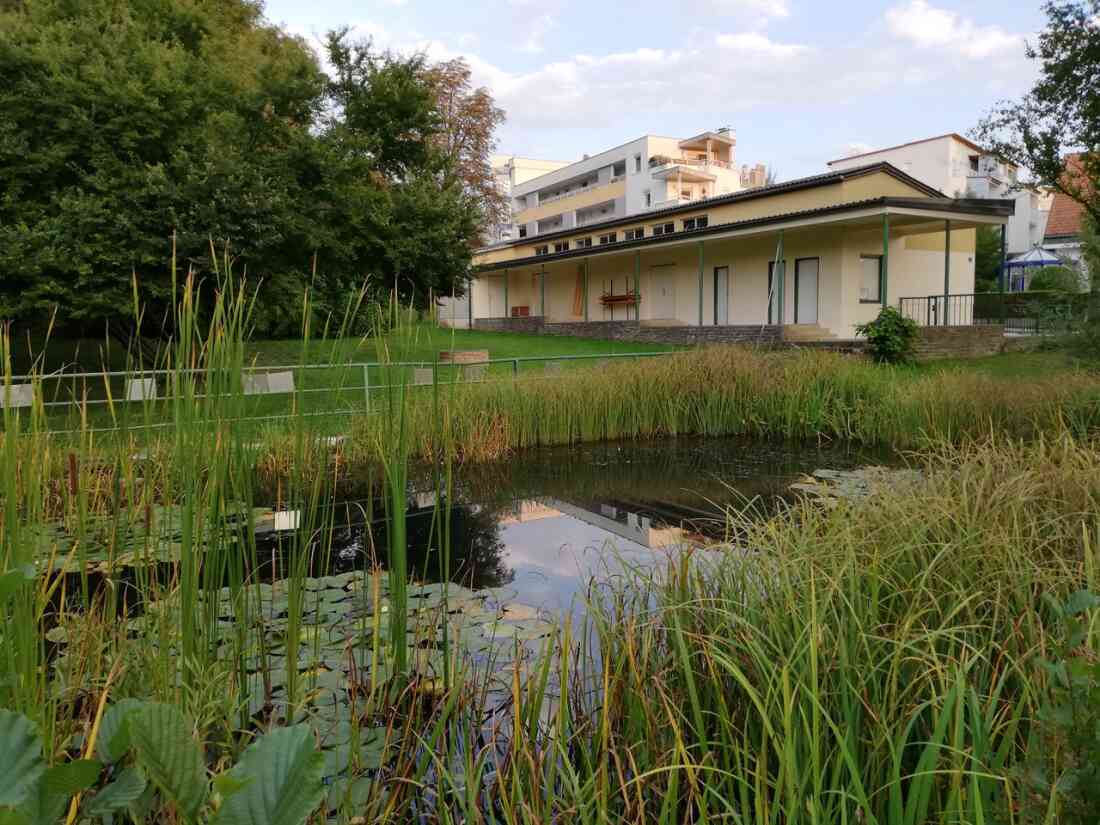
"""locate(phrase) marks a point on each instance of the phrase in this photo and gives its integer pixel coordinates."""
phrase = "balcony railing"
(658, 161)
(674, 202)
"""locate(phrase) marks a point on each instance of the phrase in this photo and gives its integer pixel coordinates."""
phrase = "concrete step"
(806, 332)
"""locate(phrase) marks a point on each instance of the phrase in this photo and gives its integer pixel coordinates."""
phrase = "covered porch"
(814, 276)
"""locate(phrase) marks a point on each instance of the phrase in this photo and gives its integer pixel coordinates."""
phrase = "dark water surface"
(546, 521)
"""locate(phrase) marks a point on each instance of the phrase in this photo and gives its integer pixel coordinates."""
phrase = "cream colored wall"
(914, 269)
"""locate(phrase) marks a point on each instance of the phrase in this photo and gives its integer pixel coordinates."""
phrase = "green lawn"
(1009, 366)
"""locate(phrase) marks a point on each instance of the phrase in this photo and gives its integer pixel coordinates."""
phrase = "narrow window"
(637, 163)
(523, 231)
(648, 198)
(870, 280)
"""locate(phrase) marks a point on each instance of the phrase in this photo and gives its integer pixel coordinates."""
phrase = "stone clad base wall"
(932, 343)
(633, 331)
(959, 342)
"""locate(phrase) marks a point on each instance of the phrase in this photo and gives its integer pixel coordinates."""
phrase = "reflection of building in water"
(528, 510)
(633, 526)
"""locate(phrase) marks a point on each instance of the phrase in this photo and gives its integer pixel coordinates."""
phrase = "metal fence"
(98, 400)
(1021, 313)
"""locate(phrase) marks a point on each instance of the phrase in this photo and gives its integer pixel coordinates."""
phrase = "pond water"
(545, 522)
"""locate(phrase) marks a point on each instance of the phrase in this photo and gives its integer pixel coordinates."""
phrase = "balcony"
(659, 162)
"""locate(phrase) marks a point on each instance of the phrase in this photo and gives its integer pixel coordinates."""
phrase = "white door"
(805, 288)
(721, 295)
(662, 303)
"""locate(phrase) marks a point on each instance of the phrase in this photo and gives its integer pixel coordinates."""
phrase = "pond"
(547, 521)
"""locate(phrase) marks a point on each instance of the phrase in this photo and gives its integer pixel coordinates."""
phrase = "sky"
(801, 82)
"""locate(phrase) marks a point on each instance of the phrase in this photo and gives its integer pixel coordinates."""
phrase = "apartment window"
(870, 282)
(637, 163)
(648, 199)
(523, 231)
(664, 229)
(698, 222)
(974, 164)
(619, 169)
(542, 250)
(634, 234)
(583, 243)
(610, 237)
(561, 246)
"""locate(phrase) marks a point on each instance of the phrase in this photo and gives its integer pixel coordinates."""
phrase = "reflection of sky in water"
(554, 558)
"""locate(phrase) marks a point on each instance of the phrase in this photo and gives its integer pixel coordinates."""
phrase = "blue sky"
(801, 81)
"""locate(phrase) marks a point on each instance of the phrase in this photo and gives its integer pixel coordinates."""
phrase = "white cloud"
(537, 30)
(754, 43)
(855, 147)
(929, 27)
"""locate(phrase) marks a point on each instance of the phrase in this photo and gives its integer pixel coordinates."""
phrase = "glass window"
(648, 198)
(523, 231)
(583, 243)
(698, 222)
(542, 250)
(561, 246)
(637, 163)
(610, 237)
(870, 283)
(664, 229)
(634, 234)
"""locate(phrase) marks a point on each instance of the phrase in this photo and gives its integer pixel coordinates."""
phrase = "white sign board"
(17, 395)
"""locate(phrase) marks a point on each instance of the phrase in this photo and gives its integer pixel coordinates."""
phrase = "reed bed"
(743, 391)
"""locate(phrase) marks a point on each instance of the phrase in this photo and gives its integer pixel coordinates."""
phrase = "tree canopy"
(1060, 115)
(130, 122)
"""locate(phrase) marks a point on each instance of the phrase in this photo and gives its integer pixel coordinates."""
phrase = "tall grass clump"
(878, 661)
(741, 391)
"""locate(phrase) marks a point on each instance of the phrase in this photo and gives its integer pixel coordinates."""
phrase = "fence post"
(515, 368)
(366, 385)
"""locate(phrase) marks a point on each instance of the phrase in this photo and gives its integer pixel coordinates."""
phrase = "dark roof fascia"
(825, 179)
(990, 207)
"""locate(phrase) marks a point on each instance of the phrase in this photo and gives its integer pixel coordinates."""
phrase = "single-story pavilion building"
(808, 258)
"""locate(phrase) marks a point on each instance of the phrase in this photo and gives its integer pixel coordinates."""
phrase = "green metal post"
(470, 302)
(946, 268)
(780, 271)
(586, 289)
(885, 257)
(637, 283)
(1001, 274)
(700, 283)
(506, 293)
(542, 292)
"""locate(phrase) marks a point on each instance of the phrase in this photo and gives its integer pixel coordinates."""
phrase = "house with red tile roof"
(1063, 232)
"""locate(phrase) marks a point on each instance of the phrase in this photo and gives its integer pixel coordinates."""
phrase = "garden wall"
(959, 342)
(633, 331)
(932, 342)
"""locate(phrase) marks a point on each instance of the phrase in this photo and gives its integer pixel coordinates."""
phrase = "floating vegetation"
(343, 672)
(832, 486)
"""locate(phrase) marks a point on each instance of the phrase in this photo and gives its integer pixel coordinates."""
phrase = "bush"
(891, 336)
(1055, 279)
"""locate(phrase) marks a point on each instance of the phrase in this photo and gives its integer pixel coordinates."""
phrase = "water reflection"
(549, 520)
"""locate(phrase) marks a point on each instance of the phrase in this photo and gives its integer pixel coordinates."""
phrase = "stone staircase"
(806, 332)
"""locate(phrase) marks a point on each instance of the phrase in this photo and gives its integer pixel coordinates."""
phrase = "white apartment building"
(510, 171)
(645, 174)
(959, 168)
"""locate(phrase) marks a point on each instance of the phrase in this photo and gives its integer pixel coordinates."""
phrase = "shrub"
(891, 336)
(1055, 279)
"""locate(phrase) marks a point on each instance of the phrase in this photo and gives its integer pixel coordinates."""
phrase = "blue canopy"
(1016, 268)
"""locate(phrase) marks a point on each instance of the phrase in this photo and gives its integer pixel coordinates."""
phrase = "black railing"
(1021, 313)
